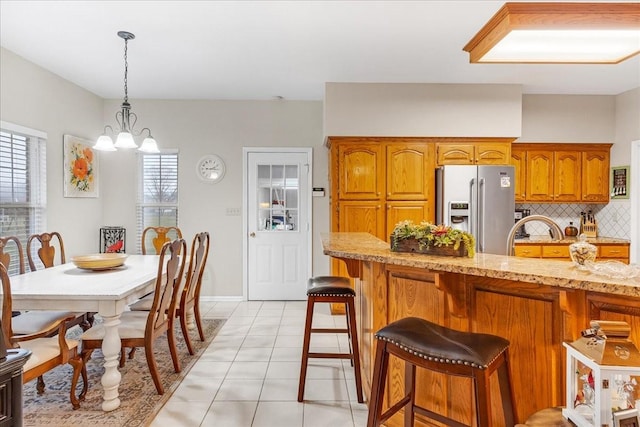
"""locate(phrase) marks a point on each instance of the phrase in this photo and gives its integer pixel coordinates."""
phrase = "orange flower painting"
(81, 167)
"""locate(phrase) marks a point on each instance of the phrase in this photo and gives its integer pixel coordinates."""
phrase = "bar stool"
(430, 346)
(331, 289)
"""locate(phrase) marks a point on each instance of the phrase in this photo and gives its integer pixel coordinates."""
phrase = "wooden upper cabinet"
(493, 153)
(410, 171)
(595, 176)
(539, 185)
(519, 162)
(566, 176)
(479, 153)
(455, 154)
(360, 171)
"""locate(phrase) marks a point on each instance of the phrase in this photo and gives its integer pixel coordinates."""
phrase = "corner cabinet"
(561, 173)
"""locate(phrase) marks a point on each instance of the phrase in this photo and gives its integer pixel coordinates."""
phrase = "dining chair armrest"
(59, 325)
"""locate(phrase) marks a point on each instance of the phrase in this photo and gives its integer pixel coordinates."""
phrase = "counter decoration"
(431, 239)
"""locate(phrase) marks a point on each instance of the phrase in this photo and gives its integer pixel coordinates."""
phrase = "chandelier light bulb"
(104, 143)
(125, 140)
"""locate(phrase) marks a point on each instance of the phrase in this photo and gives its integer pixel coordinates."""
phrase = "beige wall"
(38, 99)
(416, 109)
(197, 128)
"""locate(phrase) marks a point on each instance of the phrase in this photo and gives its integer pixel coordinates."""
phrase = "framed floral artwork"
(80, 168)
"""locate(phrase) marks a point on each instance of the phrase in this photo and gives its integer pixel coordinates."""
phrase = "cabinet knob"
(388, 194)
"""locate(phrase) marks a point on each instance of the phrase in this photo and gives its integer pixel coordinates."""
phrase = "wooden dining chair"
(26, 322)
(158, 236)
(141, 328)
(48, 242)
(49, 347)
(190, 299)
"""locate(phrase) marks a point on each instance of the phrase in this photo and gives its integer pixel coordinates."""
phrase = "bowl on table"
(99, 261)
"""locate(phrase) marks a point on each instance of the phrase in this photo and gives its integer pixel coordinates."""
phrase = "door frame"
(635, 202)
(245, 203)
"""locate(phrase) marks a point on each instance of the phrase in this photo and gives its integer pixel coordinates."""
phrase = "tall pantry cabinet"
(377, 182)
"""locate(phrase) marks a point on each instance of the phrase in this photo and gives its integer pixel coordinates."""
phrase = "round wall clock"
(210, 168)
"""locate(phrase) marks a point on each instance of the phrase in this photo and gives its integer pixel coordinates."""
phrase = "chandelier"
(126, 119)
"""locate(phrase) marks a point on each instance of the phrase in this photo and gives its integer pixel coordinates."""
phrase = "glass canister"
(582, 252)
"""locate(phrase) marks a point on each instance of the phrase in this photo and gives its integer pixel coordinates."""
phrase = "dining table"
(107, 292)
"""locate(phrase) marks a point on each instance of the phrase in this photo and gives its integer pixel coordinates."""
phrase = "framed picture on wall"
(619, 182)
(80, 168)
(626, 418)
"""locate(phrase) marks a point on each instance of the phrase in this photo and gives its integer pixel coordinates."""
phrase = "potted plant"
(432, 239)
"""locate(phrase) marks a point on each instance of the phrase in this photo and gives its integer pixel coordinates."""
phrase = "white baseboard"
(239, 298)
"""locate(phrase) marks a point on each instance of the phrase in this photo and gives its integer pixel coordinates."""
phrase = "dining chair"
(47, 257)
(141, 328)
(49, 347)
(158, 236)
(26, 322)
(190, 299)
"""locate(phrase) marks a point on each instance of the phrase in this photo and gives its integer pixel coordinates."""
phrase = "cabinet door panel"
(595, 176)
(361, 171)
(402, 211)
(539, 175)
(492, 153)
(519, 162)
(365, 217)
(566, 177)
(409, 171)
(455, 154)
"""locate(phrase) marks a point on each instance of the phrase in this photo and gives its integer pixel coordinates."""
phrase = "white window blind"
(23, 184)
(157, 192)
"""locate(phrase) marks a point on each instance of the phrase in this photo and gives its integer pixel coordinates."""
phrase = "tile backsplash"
(613, 219)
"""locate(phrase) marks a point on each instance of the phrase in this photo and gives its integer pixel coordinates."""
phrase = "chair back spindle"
(47, 251)
(11, 245)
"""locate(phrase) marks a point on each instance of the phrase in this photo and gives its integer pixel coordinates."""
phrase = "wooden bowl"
(99, 261)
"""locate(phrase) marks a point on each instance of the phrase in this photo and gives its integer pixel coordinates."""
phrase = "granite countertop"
(563, 274)
(569, 240)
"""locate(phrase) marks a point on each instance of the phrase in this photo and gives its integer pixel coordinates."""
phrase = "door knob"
(252, 234)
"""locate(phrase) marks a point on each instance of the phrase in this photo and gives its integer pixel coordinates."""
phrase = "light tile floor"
(248, 376)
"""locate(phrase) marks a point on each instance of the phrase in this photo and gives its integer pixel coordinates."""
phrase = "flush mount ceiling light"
(561, 33)
(123, 118)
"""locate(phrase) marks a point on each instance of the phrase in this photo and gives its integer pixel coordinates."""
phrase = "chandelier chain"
(126, 71)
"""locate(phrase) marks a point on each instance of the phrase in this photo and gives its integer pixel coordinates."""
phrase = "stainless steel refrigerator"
(477, 199)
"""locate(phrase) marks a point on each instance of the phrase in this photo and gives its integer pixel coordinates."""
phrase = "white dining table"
(107, 292)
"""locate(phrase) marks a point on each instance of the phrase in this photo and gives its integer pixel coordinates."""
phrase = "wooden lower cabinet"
(536, 319)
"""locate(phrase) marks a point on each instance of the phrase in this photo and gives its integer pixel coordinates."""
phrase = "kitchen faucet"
(556, 231)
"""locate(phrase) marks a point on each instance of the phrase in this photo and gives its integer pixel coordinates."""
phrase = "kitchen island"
(535, 303)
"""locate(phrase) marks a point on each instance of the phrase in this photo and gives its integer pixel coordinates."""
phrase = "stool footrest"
(331, 355)
(328, 330)
(395, 408)
(435, 416)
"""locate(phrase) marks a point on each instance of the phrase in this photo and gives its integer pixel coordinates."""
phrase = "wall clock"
(210, 168)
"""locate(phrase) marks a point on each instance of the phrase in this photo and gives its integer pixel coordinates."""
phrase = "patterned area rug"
(140, 401)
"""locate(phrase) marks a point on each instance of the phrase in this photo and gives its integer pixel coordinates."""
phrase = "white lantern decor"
(603, 377)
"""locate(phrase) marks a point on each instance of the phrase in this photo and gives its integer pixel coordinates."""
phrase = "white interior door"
(278, 216)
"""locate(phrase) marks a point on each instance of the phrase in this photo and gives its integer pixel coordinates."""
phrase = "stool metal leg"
(355, 351)
(305, 348)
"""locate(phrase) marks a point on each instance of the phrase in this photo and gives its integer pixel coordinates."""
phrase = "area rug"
(139, 400)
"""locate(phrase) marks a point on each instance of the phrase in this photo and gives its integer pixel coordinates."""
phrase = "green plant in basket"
(430, 235)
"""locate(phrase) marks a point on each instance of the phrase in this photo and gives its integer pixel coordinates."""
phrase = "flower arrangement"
(81, 167)
(430, 235)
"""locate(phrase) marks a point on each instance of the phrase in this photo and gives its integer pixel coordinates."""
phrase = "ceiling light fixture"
(560, 33)
(124, 117)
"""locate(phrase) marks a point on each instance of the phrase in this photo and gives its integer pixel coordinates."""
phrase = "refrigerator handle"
(481, 204)
(472, 208)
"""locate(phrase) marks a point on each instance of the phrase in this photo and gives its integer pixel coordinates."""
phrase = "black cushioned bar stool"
(430, 346)
(331, 289)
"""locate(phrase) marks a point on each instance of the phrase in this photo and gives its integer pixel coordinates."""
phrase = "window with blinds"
(22, 185)
(158, 192)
